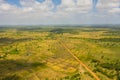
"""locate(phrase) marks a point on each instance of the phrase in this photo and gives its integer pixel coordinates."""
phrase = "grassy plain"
(35, 53)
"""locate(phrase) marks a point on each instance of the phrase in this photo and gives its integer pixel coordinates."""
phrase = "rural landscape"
(60, 53)
(59, 39)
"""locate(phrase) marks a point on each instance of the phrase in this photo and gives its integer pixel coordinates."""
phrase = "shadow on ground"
(8, 68)
(12, 40)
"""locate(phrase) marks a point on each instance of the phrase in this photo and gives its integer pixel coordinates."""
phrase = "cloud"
(115, 10)
(76, 5)
(63, 12)
(108, 4)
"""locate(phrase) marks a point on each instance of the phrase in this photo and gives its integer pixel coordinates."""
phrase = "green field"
(36, 53)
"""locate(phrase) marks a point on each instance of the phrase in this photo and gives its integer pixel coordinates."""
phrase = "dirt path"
(89, 70)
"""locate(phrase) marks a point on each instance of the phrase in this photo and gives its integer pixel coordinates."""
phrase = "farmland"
(59, 53)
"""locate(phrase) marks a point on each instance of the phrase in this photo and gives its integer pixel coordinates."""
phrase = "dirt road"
(88, 69)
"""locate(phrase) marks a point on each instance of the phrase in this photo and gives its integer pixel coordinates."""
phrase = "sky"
(59, 12)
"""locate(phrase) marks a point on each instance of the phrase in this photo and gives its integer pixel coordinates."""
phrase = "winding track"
(88, 69)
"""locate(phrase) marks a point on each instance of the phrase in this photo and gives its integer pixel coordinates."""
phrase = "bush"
(14, 51)
(12, 77)
(73, 77)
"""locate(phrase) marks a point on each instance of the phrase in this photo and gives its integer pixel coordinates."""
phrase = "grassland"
(36, 53)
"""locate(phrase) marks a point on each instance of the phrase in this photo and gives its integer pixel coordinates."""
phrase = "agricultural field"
(59, 53)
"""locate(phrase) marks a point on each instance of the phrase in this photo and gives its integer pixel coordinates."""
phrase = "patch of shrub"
(13, 77)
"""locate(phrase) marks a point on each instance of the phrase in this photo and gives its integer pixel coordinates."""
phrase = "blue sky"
(13, 2)
(39, 12)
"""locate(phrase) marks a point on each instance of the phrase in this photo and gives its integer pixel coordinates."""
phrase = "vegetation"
(35, 53)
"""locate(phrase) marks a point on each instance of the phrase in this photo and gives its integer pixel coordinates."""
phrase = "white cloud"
(84, 4)
(78, 6)
(68, 3)
(108, 4)
(69, 11)
(5, 6)
(115, 10)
